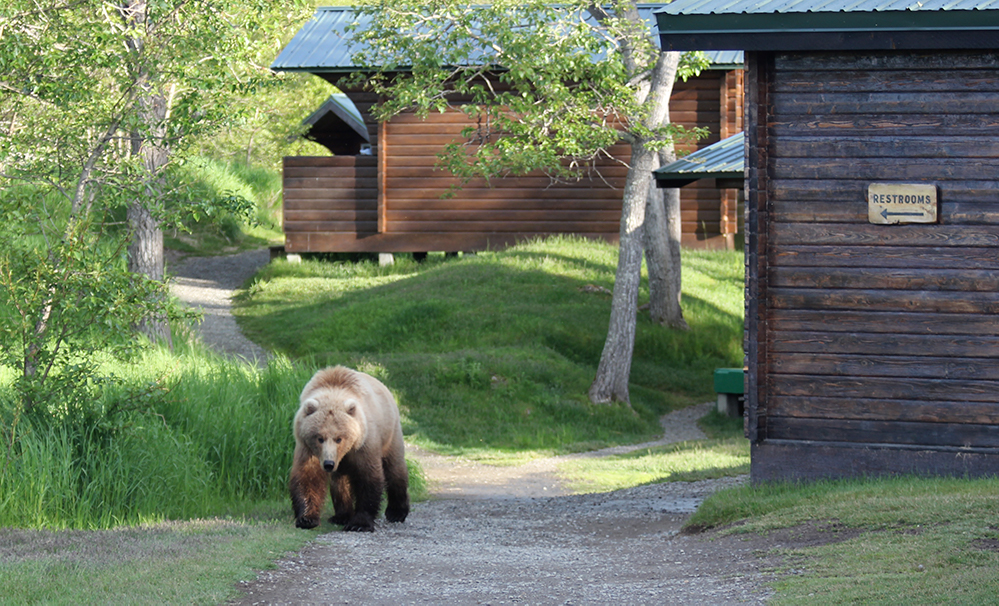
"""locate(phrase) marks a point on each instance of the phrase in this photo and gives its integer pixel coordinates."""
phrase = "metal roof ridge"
(820, 7)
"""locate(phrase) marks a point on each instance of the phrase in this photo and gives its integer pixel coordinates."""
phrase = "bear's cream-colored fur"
(348, 437)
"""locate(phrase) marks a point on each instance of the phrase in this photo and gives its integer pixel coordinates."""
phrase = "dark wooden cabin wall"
(875, 334)
(529, 205)
(414, 217)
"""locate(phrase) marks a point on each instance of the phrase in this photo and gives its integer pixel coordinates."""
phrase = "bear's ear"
(352, 408)
(311, 406)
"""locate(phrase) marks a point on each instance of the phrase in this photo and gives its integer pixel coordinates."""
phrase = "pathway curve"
(208, 284)
(461, 478)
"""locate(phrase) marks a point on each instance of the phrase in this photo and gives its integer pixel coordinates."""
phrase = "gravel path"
(500, 535)
(208, 284)
(613, 548)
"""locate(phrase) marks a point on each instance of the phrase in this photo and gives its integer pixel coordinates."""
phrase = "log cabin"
(872, 231)
(389, 198)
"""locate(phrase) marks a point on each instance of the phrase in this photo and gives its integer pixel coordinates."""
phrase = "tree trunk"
(662, 255)
(663, 223)
(145, 253)
(145, 256)
(614, 370)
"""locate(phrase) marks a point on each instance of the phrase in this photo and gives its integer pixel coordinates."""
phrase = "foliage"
(553, 107)
(270, 126)
(66, 296)
(84, 87)
(494, 351)
(216, 227)
(74, 76)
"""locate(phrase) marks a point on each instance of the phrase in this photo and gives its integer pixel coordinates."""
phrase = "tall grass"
(178, 436)
(181, 436)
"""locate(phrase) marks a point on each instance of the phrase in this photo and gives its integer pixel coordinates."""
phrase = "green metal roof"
(323, 44)
(828, 24)
(722, 160)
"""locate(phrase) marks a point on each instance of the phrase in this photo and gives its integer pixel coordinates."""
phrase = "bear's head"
(330, 423)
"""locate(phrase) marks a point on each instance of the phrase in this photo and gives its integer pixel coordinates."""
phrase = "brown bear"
(348, 437)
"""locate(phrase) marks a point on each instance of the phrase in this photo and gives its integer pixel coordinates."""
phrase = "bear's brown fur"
(348, 437)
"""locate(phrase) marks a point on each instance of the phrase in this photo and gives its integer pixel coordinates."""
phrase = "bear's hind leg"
(307, 486)
(343, 500)
(397, 487)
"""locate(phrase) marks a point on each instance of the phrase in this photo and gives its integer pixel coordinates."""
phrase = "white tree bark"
(662, 255)
(614, 369)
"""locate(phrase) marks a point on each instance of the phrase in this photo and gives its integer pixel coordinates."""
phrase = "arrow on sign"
(886, 214)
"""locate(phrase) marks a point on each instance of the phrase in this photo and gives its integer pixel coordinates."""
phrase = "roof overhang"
(722, 161)
(761, 29)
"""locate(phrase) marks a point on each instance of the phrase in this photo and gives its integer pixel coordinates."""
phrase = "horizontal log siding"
(882, 334)
(417, 218)
(329, 195)
(525, 207)
(713, 99)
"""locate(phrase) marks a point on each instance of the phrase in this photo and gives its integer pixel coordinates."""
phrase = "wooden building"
(391, 200)
(872, 178)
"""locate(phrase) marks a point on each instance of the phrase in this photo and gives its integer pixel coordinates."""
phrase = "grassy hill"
(493, 353)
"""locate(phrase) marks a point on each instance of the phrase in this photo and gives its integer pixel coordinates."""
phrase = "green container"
(729, 380)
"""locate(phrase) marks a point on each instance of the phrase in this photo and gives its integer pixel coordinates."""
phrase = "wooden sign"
(890, 203)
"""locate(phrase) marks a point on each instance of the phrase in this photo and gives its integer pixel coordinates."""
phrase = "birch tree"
(576, 78)
(97, 101)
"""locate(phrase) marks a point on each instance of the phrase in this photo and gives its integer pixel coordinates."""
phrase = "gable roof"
(780, 25)
(722, 160)
(323, 45)
(340, 106)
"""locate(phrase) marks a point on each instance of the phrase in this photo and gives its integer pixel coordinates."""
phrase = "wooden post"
(382, 164)
(758, 85)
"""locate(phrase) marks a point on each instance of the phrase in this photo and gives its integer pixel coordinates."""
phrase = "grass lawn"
(193, 562)
(890, 541)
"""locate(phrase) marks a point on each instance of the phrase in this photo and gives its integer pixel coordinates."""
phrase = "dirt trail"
(501, 535)
(460, 478)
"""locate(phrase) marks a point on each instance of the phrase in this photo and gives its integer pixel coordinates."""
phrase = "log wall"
(868, 344)
(410, 214)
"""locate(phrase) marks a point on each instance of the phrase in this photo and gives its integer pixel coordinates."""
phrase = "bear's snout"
(329, 466)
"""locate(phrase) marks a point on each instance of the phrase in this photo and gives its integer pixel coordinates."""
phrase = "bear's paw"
(396, 515)
(361, 522)
(305, 522)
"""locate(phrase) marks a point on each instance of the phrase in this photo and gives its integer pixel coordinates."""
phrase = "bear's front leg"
(343, 499)
(307, 485)
(368, 484)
